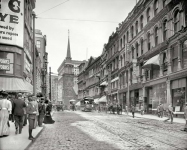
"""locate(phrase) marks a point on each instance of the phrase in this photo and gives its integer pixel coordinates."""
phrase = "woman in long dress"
(5, 110)
(48, 119)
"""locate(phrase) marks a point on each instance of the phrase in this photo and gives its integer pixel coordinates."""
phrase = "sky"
(87, 38)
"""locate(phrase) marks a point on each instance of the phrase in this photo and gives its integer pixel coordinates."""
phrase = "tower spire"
(68, 57)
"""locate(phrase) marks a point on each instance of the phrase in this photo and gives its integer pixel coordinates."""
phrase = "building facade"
(146, 57)
(54, 88)
(16, 47)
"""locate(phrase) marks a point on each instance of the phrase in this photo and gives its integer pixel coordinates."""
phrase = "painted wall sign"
(12, 22)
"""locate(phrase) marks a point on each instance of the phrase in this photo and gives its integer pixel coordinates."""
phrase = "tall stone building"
(145, 59)
(67, 79)
(54, 88)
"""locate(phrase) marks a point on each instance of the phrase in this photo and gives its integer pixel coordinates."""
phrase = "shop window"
(184, 54)
(174, 58)
(18, 65)
(7, 64)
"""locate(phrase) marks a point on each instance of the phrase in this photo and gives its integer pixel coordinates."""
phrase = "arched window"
(164, 3)
(132, 31)
(156, 7)
(124, 40)
(132, 52)
(136, 27)
(148, 41)
(148, 14)
(124, 59)
(137, 50)
(141, 22)
(156, 36)
(164, 30)
(141, 44)
(121, 44)
(176, 20)
(127, 36)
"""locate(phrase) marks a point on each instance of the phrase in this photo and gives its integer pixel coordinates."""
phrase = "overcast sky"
(86, 37)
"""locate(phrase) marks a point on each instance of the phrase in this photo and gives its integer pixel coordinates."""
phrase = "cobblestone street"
(100, 131)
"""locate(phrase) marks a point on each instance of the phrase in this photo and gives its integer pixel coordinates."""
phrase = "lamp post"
(34, 56)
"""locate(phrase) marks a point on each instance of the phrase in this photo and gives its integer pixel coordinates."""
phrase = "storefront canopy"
(96, 100)
(114, 79)
(152, 62)
(78, 103)
(102, 99)
(15, 85)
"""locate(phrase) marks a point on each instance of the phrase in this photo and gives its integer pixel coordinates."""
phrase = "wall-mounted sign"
(12, 22)
(4, 64)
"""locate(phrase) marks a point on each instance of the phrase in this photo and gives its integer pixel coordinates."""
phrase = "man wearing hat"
(185, 117)
(19, 106)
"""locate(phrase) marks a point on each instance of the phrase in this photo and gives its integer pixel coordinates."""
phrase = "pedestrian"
(31, 111)
(5, 110)
(35, 102)
(126, 109)
(158, 110)
(25, 112)
(133, 110)
(48, 119)
(142, 109)
(19, 106)
(185, 117)
(161, 109)
(170, 113)
(41, 109)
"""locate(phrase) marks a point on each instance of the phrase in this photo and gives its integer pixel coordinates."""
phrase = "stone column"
(179, 45)
(169, 59)
(169, 100)
(161, 64)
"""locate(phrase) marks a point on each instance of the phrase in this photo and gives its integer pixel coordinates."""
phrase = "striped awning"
(15, 85)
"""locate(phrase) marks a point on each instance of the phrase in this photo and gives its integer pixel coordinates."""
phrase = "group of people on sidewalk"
(19, 109)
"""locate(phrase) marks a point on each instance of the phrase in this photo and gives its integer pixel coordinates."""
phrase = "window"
(121, 44)
(136, 27)
(18, 65)
(132, 52)
(8, 68)
(165, 64)
(141, 22)
(148, 41)
(156, 36)
(124, 40)
(132, 32)
(148, 14)
(174, 58)
(38, 44)
(121, 61)
(156, 7)
(164, 3)
(164, 30)
(176, 21)
(141, 44)
(137, 50)
(127, 36)
(184, 54)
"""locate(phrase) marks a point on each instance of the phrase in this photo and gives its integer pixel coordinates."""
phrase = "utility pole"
(34, 56)
(50, 83)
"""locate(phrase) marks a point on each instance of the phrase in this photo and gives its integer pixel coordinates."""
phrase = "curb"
(31, 142)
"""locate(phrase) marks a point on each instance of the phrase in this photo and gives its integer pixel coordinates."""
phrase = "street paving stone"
(99, 131)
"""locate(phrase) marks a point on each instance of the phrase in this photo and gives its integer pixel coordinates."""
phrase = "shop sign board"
(4, 64)
(12, 22)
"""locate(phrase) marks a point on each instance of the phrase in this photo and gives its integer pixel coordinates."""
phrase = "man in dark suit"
(19, 106)
(41, 109)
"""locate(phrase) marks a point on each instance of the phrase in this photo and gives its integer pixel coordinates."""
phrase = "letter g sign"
(14, 5)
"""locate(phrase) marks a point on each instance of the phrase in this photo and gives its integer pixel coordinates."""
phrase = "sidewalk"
(149, 116)
(19, 141)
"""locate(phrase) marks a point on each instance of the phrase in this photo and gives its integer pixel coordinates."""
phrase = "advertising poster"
(12, 22)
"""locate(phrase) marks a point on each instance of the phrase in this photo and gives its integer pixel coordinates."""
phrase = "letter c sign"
(14, 5)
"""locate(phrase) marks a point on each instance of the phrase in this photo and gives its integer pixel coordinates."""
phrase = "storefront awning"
(154, 61)
(15, 85)
(114, 79)
(102, 99)
(104, 83)
(96, 100)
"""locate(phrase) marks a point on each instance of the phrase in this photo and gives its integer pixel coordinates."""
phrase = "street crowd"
(21, 110)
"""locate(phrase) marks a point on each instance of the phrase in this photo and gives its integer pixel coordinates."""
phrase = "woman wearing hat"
(5, 110)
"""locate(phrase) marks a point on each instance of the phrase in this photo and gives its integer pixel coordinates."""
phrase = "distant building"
(54, 88)
(67, 79)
